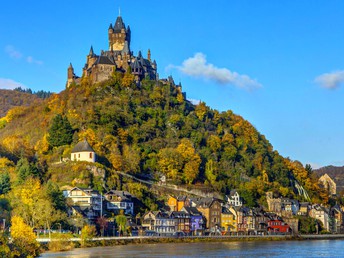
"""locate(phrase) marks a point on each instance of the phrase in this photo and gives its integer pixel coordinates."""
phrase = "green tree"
(121, 222)
(25, 169)
(5, 183)
(60, 132)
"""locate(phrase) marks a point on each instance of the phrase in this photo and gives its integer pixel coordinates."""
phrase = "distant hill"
(336, 173)
(11, 98)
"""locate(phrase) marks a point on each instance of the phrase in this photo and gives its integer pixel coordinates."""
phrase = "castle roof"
(104, 60)
(119, 24)
(82, 146)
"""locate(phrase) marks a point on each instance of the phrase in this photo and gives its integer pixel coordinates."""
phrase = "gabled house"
(337, 219)
(289, 207)
(117, 201)
(83, 151)
(322, 214)
(211, 209)
(304, 209)
(228, 220)
(161, 222)
(234, 199)
(261, 221)
(177, 203)
(278, 226)
(85, 202)
(84, 197)
(183, 220)
(196, 220)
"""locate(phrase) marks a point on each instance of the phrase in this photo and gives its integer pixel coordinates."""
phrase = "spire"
(70, 65)
(139, 54)
(91, 52)
(119, 11)
(110, 27)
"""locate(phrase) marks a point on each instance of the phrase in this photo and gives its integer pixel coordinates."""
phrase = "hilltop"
(149, 130)
(12, 98)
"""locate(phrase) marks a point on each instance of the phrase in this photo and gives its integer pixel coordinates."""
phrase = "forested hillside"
(11, 98)
(150, 130)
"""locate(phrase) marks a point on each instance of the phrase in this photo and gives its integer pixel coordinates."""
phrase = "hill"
(11, 98)
(336, 173)
(149, 130)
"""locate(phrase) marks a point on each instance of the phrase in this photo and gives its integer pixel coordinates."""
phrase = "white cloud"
(9, 84)
(198, 67)
(31, 60)
(12, 52)
(15, 54)
(330, 80)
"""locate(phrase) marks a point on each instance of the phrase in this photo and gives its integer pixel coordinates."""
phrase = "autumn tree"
(24, 239)
(88, 232)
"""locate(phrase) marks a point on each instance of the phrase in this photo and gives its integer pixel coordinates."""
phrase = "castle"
(118, 57)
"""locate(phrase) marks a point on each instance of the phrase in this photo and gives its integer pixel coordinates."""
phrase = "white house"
(234, 199)
(83, 151)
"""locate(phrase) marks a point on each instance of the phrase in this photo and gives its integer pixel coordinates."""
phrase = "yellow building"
(176, 203)
(228, 221)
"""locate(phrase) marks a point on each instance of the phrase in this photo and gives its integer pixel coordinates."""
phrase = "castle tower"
(119, 37)
(149, 55)
(70, 75)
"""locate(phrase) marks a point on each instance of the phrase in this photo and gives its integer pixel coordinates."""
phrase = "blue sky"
(278, 64)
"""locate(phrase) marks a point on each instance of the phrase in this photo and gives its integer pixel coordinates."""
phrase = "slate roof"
(82, 146)
(104, 60)
(119, 24)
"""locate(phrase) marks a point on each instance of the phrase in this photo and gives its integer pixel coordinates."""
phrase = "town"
(196, 216)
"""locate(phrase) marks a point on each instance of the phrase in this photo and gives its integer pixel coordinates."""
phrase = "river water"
(309, 248)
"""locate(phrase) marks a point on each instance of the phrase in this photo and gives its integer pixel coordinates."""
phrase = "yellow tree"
(191, 160)
(24, 238)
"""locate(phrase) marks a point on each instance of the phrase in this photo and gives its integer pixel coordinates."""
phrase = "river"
(306, 248)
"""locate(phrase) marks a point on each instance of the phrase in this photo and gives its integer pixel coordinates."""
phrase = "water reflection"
(316, 248)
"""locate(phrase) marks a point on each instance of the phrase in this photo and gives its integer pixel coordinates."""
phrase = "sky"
(278, 64)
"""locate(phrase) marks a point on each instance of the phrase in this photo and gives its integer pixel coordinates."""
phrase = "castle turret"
(70, 75)
(149, 55)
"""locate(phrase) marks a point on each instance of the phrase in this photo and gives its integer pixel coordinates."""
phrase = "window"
(90, 155)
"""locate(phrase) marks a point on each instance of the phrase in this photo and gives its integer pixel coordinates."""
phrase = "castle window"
(90, 155)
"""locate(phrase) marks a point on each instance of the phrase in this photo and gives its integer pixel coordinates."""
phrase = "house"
(278, 226)
(183, 221)
(261, 221)
(304, 209)
(234, 199)
(117, 201)
(228, 220)
(85, 202)
(337, 219)
(176, 203)
(327, 182)
(83, 151)
(196, 220)
(162, 223)
(322, 214)
(289, 207)
(211, 210)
